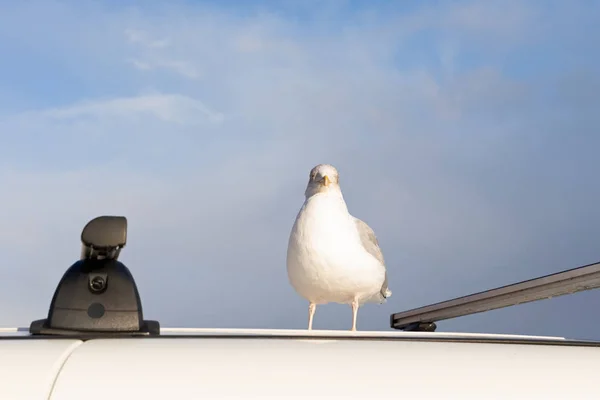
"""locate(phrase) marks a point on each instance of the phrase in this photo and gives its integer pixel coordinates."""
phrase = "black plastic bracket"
(97, 295)
(420, 327)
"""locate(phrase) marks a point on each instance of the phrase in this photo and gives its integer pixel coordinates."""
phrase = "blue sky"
(466, 134)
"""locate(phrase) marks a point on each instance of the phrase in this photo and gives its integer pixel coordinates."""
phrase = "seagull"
(333, 257)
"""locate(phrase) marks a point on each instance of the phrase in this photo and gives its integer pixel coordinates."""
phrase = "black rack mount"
(562, 283)
(97, 295)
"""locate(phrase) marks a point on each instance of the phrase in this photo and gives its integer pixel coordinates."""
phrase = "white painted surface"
(28, 367)
(206, 368)
(297, 366)
(346, 333)
(316, 332)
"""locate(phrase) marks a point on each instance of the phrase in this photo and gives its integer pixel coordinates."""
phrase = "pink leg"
(311, 314)
(354, 314)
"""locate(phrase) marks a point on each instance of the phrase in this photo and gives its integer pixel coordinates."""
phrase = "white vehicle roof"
(285, 364)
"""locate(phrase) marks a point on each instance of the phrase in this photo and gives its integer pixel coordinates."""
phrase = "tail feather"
(385, 292)
(383, 295)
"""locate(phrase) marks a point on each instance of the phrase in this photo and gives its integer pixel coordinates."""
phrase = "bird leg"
(354, 314)
(311, 314)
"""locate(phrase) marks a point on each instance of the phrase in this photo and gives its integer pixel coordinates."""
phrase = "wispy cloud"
(141, 38)
(179, 67)
(173, 108)
(154, 56)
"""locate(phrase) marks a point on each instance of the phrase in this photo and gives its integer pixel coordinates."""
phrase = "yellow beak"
(326, 180)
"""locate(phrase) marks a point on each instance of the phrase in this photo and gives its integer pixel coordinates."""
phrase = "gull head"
(322, 179)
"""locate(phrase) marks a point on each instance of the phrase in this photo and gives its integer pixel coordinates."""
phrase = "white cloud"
(141, 38)
(144, 66)
(173, 108)
(180, 67)
(249, 43)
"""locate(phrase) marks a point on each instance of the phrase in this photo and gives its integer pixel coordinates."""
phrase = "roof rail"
(570, 281)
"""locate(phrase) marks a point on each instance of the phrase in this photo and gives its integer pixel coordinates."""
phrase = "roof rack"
(570, 281)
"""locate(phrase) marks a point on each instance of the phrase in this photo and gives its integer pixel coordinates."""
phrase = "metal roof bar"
(570, 281)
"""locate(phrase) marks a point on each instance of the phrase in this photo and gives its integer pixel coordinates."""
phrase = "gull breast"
(326, 261)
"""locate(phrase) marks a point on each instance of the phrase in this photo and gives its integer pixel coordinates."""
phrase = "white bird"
(333, 257)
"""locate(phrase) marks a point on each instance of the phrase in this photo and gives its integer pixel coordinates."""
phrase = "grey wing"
(370, 243)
